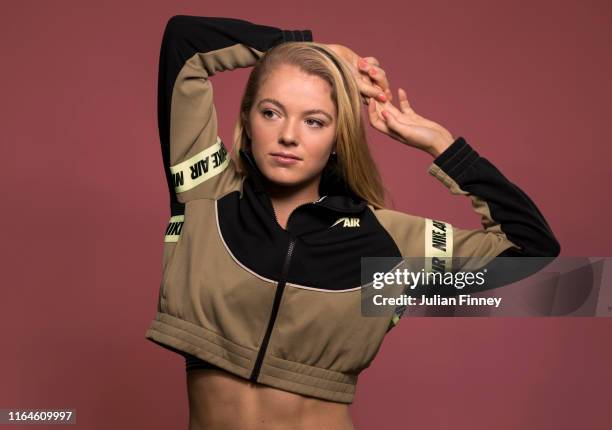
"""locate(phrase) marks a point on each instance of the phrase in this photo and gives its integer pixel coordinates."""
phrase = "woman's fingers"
(405, 111)
(397, 128)
(369, 89)
(391, 107)
(375, 118)
(366, 85)
(405, 125)
(380, 123)
(372, 60)
(371, 84)
(403, 100)
(369, 67)
(379, 76)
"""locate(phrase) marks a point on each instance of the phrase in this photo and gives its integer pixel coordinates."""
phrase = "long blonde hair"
(354, 163)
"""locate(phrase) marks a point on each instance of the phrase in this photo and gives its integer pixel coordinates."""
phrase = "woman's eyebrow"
(307, 112)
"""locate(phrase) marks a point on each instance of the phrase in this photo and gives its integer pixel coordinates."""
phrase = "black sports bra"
(192, 363)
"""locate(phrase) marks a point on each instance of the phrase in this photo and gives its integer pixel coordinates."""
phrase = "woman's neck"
(286, 198)
(299, 194)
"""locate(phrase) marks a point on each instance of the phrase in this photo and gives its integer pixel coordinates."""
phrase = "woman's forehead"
(295, 90)
(287, 75)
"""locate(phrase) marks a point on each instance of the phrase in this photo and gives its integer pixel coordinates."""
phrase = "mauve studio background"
(85, 202)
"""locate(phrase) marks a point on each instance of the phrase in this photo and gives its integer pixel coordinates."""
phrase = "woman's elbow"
(555, 248)
(547, 248)
(544, 247)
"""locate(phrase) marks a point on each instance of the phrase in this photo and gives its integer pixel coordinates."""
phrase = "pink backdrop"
(85, 202)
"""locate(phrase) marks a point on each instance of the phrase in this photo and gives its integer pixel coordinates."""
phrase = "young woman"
(262, 256)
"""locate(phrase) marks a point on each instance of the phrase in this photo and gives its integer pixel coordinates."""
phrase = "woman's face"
(294, 115)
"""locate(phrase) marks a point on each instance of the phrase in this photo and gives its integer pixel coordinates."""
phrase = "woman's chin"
(284, 180)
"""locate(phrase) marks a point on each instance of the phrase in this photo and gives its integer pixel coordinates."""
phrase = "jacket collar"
(335, 193)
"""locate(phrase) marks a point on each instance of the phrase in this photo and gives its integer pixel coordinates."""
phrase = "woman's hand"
(371, 78)
(405, 125)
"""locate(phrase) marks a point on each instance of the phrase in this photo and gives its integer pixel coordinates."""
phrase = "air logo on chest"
(347, 222)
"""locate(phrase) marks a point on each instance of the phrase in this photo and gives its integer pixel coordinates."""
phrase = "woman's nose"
(289, 132)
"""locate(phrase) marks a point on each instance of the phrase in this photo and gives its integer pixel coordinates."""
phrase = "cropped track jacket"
(281, 307)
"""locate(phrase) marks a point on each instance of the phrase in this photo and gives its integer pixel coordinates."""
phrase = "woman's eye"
(265, 112)
(319, 123)
(312, 122)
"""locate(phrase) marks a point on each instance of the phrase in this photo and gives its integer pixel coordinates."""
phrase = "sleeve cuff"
(297, 35)
(456, 158)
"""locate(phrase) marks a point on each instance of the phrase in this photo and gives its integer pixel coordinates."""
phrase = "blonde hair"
(353, 162)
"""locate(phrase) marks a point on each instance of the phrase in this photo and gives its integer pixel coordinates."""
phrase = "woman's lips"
(284, 159)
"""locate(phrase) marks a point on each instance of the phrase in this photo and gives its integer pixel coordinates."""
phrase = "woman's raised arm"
(512, 223)
(193, 49)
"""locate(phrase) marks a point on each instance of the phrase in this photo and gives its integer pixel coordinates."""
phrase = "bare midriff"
(221, 401)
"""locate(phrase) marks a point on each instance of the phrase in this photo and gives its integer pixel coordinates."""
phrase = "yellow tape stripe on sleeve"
(438, 245)
(199, 168)
(173, 231)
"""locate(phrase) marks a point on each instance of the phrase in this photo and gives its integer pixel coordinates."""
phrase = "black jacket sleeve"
(513, 225)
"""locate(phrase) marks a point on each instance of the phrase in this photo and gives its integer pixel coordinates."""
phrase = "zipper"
(303, 204)
(278, 295)
(276, 305)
